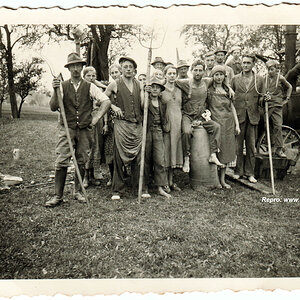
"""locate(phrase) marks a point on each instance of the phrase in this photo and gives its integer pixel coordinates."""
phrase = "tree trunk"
(1, 109)
(20, 108)
(98, 52)
(10, 75)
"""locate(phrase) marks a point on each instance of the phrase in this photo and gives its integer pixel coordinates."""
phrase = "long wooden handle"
(269, 147)
(63, 114)
(145, 119)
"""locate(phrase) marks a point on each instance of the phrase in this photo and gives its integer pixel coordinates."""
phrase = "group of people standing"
(223, 98)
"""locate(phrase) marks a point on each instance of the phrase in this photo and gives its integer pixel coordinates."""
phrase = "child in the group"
(223, 112)
(275, 86)
(155, 148)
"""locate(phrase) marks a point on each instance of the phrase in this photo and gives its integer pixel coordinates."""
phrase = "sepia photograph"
(151, 150)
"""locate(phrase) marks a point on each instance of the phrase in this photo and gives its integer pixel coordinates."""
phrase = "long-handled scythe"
(145, 118)
(63, 114)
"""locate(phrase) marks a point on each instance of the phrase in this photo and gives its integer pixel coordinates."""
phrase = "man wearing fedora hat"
(182, 69)
(235, 61)
(79, 98)
(127, 106)
(158, 63)
(220, 55)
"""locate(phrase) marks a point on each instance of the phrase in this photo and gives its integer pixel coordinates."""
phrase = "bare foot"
(236, 176)
(252, 179)
(214, 160)
(226, 185)
(174, 187)
(163, 193)
(186, 165)
(167, 189)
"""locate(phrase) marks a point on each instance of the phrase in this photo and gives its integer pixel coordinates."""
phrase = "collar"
(242, 73)
(75, 83)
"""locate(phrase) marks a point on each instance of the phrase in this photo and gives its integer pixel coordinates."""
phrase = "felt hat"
(74, 58)
(218, 68)
(158, 59)
(220, 50)
(126, 58)
(271, 63)
(155, 80)
(182, 63)
(209, 53)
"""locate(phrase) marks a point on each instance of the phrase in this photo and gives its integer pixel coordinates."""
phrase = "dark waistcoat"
(130, 103)
(78, 104)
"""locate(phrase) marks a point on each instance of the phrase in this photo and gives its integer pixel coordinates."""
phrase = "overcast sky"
(56, 54)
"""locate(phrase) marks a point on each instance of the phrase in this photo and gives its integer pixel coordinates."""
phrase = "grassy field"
(209, 233)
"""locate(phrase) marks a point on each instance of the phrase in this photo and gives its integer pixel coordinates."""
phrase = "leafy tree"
(27, 78)
(265, 40)
(10, 36)
(102, 43)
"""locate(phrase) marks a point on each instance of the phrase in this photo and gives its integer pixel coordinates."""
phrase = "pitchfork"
(146, 104)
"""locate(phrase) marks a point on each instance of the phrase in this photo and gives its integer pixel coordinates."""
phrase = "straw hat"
(74, 58)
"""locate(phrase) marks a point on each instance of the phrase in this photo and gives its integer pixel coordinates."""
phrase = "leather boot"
(60, 179)
(77, 188)
(93, 180)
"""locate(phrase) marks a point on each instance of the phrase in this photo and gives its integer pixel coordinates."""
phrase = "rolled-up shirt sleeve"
(97, 96)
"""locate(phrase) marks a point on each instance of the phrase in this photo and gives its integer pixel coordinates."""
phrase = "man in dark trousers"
(249, 89)
(79, 97)
(127, 106)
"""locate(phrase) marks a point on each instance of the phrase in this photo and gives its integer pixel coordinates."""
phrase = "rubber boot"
(60, 179)
(77, 188)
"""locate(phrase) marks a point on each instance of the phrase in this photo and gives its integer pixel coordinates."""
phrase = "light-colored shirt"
(96, 94)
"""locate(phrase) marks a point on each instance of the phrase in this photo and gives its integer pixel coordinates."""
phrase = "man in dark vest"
(79, 98)
(127, 102)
